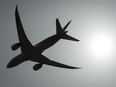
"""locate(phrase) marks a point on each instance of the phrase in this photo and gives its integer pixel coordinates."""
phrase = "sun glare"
(101, 45)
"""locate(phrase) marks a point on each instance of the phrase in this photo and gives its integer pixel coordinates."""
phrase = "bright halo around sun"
(101, 45)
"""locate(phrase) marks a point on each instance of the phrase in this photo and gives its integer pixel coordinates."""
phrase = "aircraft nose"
(8, 65)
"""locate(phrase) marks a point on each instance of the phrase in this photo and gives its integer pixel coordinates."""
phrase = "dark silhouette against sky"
(34, 53)
(93, 23)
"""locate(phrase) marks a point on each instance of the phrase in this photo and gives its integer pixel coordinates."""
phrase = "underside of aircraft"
(34, 53)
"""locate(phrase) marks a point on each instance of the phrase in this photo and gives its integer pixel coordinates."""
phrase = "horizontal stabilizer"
(66, 25)
(59, 30)
(58, 26)
(67, 37)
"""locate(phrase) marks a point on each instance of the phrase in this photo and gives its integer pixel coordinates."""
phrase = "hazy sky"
(93, 23)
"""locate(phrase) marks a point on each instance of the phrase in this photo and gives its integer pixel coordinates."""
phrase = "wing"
(25, 43)
(56, 64)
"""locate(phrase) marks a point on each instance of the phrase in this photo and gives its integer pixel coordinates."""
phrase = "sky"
(93, 23)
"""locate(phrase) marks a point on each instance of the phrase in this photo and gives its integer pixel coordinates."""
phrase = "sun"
(101, 45)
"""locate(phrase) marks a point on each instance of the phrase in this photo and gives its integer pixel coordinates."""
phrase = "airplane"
(34, 53)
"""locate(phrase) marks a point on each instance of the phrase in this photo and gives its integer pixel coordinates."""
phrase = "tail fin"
(60, 30)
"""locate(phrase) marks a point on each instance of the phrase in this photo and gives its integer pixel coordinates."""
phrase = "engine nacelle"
(15, 46)
(37, 67)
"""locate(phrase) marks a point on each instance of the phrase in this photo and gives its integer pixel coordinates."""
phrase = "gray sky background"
(89, 18)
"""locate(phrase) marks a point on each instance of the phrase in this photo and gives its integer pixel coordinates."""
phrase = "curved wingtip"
(57, 19)
(16, 6)
(77, 68)
(77, 40)
(16, 9)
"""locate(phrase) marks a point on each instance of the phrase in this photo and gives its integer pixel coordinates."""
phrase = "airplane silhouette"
(34, 53)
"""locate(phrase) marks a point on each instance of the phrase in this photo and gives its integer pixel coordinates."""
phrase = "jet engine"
(15, 46)
(37, 66)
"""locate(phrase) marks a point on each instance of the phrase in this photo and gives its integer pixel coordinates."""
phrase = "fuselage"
(34, 53)
(43, 45)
